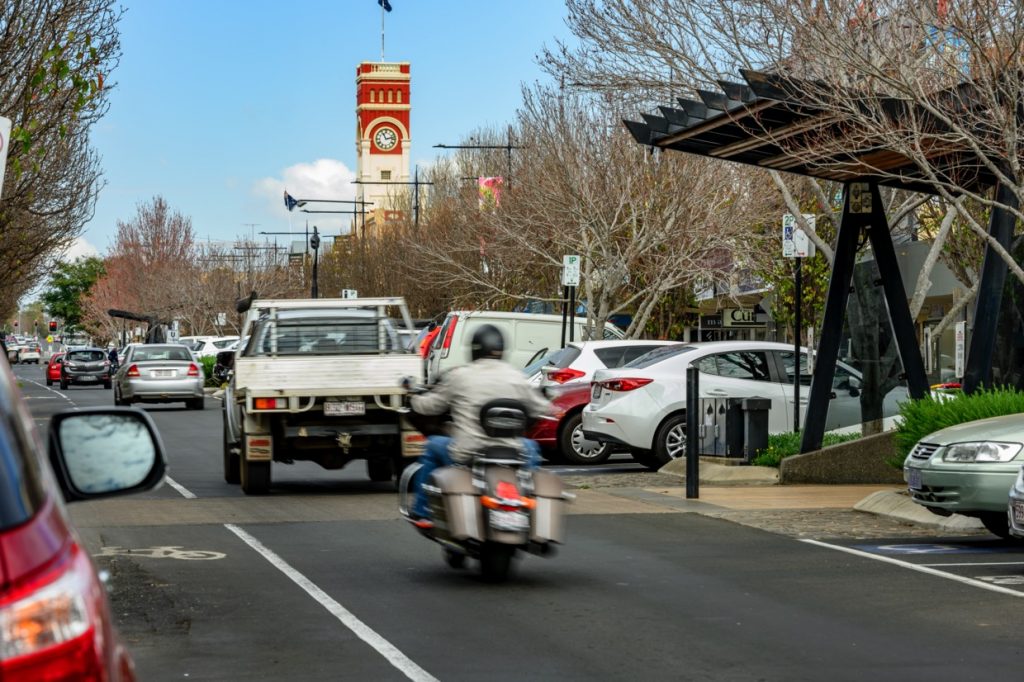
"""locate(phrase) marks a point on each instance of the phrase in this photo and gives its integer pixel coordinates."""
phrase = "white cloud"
(321, 179)
(80, 248)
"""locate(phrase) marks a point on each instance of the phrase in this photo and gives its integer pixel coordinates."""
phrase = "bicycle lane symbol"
(164, 552)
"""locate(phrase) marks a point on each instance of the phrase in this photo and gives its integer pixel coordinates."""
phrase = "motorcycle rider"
(464, 391)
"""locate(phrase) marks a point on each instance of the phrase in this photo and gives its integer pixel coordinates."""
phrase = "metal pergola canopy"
(767, 122)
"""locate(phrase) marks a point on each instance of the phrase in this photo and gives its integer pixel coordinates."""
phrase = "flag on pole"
(385, 4)
(290, 202)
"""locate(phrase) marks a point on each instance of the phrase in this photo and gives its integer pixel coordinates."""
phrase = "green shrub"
(782, 445)
(930, 414)
(208, 363)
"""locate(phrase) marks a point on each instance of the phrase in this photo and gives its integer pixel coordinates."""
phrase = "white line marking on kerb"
(360, 629)
(919, 568)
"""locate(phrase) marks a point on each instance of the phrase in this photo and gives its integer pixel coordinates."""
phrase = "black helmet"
(487, 343)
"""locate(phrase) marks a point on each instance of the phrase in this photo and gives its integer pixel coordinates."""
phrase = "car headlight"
(984, 451)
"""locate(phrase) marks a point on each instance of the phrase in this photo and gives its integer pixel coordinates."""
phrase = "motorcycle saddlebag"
(462, 512)
(549, 516)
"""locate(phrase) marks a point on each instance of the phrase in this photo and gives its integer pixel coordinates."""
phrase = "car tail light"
(560, 376)
(49, 627)
(270, 403)
(133, 371)
(193, 370)
(446, 344)
(629, 384)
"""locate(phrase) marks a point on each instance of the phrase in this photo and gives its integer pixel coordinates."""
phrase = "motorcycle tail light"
(627, 384)
(49, 627)
(560, 376)
(133, 371)
(193, 370)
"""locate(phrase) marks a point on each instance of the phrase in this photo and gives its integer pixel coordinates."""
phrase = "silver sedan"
(159, 373)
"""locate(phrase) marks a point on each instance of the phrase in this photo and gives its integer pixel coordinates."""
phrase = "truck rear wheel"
(380, 469)
(255, 477)
(232, 461)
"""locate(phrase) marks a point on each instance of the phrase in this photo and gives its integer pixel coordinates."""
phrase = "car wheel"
(997, 524)
(670, 441)
(254, 476)
(380, 469)
(645, 458)
(108, 385)
(63, 385)
(49, 382)
(579, 450)
(232, 463)
(196, 404)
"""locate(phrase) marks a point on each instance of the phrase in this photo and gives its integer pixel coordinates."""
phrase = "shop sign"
(711, 321)
(742, 317)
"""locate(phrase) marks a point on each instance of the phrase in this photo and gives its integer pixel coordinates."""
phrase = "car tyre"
(670, 441)
(196, 404)
(645, 458)
(63, 384)
(254, 476)
(573, 448)
(997, 523)
(108, 385)
(49, 382)
(232, 460)
(380, 469)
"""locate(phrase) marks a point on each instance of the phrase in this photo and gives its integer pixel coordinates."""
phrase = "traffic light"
(53, 325)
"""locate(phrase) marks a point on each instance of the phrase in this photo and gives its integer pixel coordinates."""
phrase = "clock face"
(385, 139)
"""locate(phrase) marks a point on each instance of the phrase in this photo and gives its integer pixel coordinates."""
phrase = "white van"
(527, 336)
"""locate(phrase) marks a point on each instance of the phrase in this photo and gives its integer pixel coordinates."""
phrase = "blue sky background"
(219, 104)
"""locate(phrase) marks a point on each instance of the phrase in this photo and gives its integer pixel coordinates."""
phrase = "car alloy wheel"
(577, 449)
(670, 441)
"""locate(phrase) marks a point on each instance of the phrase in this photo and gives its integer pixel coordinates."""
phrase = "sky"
(219, 105)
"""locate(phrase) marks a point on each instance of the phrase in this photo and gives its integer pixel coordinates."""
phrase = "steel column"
(978, 371)
(832, 326)
(896, 299)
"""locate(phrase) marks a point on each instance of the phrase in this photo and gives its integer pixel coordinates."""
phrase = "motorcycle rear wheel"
(496, 561)
(456, 560)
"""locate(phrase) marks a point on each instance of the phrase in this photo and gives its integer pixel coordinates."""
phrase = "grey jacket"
(464, 390)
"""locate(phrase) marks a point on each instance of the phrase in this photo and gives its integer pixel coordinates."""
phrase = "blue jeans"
(436, 456)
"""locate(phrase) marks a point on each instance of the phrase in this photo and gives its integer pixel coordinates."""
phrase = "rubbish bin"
(755, 426)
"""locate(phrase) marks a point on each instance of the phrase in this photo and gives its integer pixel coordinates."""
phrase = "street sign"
(5, 138)
(795, 242)
(960, 349)
(349, 293)
(570, 271)
(49, 339)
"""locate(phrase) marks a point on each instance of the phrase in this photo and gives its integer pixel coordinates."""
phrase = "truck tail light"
(625, 384)
(133, 371)
(560, 376)
(50, 626)
(193, 370)
(270, 403)
(446, 343)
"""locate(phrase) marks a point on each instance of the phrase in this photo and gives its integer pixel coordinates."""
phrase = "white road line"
(187, 494)
(360, 629)
(981, 563)
(919, 568)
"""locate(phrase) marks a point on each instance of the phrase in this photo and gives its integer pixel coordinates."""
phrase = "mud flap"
(259, 448)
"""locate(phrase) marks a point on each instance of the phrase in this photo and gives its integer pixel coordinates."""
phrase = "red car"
(54, 617)
(53, 368)
(561, 433)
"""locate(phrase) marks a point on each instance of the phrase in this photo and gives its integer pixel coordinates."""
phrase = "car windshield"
(86, 356)
(161, 353)
(656, 356)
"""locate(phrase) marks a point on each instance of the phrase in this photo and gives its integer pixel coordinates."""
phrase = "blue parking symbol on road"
(926, 548)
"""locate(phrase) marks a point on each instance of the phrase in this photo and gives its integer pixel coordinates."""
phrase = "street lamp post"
(508, 147)
(314, 243)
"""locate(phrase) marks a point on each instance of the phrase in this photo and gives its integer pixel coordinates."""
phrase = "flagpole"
(382, 32)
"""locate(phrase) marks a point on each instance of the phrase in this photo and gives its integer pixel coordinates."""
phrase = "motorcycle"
(495, 506)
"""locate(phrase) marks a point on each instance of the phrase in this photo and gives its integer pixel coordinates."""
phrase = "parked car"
(969, 469)
(12, 351)
(642, 405)
(577, 362)
(209, 346)
(53, 368)
(528, 337)
(30, 352)
(54, 614)
(85, 366)
(1015, 509)
(160, 373)
(560, 434)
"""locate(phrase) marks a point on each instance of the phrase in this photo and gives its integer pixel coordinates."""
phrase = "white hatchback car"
(577, 362)
(643, 405)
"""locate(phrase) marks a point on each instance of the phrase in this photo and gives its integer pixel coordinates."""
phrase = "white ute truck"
(319, 380)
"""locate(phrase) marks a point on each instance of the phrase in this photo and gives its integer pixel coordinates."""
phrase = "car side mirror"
(102, 452)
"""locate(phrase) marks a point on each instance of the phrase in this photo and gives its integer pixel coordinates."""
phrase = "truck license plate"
(342, 409)
(509, 521)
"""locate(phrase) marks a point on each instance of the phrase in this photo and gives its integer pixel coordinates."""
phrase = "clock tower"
(382, 132)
